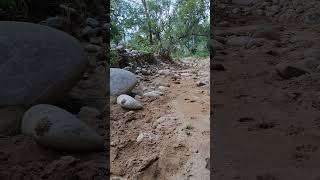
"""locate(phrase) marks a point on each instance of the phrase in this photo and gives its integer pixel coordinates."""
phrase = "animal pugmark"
(43, 126)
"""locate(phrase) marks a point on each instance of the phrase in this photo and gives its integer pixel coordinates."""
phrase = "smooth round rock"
(38, 64)
(58, 129)
(121, 81)
(128, 102)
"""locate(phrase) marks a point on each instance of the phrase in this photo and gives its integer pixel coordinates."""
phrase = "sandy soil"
(266, 127)
(177, 125)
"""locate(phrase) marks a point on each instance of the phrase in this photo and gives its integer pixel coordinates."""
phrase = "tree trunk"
(148, 20)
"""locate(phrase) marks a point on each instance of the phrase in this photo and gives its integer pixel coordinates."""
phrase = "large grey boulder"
(58, 129)
(38, 64)
(121, 81)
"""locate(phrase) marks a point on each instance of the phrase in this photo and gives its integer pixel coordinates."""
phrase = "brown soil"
(266, 127)
(178, 125)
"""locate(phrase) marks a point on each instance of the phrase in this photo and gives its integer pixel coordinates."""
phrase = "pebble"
(153, 94)
(149, 136)
(92, 22)
(200, 83)
(128, 102)
(92, 48)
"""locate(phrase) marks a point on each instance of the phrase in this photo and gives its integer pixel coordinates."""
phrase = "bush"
(114, 57)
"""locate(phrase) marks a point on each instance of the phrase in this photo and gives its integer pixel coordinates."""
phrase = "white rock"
(153, 94)
(164, 72)
(185, 74)
(56, 128)
(163, 88)
(149, 136)
(128, 102)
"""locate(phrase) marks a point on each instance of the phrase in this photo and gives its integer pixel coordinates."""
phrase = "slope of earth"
(169, 138)
(266, 126)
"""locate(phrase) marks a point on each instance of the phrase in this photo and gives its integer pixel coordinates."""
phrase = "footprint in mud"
(317, 122)
(294, 130)
(300, 157)
(303, 152)
(246, 119)
(307, 148)
(262, 126)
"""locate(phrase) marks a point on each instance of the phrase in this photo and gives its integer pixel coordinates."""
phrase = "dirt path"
(266, 127)
(175, 128)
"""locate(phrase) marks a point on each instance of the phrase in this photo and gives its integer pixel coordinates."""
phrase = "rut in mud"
(169, 138)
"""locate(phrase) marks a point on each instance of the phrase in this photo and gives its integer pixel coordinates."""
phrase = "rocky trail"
(265, 103)
(170, 137)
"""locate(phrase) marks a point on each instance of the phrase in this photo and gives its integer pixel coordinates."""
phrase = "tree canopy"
(181, 27)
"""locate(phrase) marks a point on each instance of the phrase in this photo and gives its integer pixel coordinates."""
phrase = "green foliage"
(7, 4)
(113, 57)
(181, 26)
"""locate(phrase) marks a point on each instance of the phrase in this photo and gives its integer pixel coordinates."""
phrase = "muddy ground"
(176, 126)
(265, 127)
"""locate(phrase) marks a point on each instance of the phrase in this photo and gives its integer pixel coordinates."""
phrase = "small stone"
(129, 116)
(96, 40)
(137, 97)
(153, 94)
(92, 48)
(288, 71)
(90, 32)
(164, 72)
(92, 22)
(235, 10)
(149, 136)
(128, 102)
(163, 88)
(200, 83)
(55, 22)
